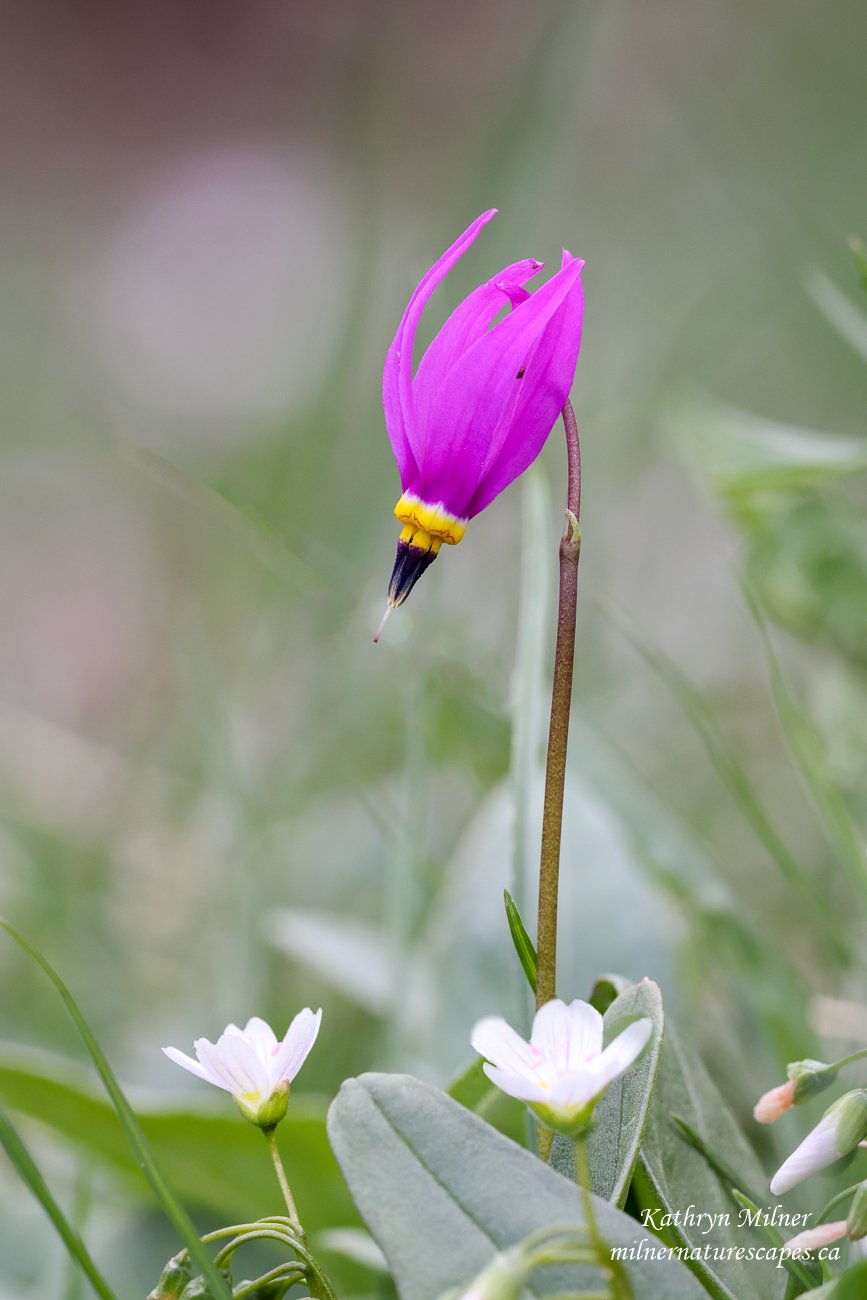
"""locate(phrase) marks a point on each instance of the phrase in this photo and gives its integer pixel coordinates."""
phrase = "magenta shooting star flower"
(482, 402)
(253, 1065)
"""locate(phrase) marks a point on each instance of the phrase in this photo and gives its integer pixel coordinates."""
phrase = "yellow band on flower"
(428, 526)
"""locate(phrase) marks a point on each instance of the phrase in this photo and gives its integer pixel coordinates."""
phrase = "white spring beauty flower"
(253, 1065)
(563, 1070)
(838, 1132)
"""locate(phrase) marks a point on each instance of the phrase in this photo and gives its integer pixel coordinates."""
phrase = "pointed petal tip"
(389, 607)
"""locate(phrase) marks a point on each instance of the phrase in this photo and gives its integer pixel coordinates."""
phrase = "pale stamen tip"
(389, 607)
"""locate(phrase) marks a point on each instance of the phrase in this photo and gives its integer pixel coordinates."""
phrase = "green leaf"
(473, 1089)
(216, 1160)
(29, 1174)
(139, 1144)
(443, 1193)
(672, 1175)
(801, 1274)
(859, 257)
(841, 314)
(621, 1115)
(524, 946)
(851, 1286)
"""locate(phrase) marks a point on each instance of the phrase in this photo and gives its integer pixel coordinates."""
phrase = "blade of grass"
(28, 1172)
(171, 1206)
(729, 1181)
(522, 941)
(806, 745)
(257, 539)
(793, 1267)
(735, 777)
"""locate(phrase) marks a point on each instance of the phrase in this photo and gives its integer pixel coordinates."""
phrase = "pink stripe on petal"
(545, 388)
(397, 396)
(234, 1061)
(476, 394)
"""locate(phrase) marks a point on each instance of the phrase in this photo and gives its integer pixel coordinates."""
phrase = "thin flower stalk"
(558, 732)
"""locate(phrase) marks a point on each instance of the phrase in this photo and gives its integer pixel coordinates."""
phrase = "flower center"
(427, 526)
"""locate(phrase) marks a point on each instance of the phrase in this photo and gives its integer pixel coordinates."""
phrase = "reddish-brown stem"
(558, 733)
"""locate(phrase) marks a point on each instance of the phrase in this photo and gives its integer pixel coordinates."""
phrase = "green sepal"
(173, 1279)
(851, 1114)
(856, 1224)
(809, 1078)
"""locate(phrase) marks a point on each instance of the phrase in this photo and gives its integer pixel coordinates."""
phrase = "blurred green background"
(218, 797)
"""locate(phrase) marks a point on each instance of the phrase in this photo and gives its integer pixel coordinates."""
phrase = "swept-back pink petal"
(467, 323)
(549, 375)
(295, 1048)
(397, 398)
(476, 393)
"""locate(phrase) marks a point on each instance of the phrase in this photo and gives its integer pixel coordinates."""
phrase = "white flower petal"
(233, 1060)
(500, 1044)
(822, 1235)
(517, 1085)
(623, 1051)
(566, 1036)
(817, 1151)
(857, 1250)
(585, 1032)
(260, 1034)
(577, 1088)
(293, 1051)
(187, 1063)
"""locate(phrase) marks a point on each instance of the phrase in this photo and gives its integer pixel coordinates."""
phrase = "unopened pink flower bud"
(771, 1105)
(813, 1238)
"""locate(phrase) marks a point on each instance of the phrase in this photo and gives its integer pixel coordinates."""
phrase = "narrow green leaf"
(841, 314)
(262, 544)
(621, 1115)
(729, 1180)
(671, 1175)
(172, 1207)
(29, 1174)
(524, 946)
(808, 747)
(731, 770)
(796, 1269)
(442, 1193)
(859, 257)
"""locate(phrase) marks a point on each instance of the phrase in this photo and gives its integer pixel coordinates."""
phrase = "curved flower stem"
(848, 1060)
(612, 1268)
(270, 1138)
(558, 732)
